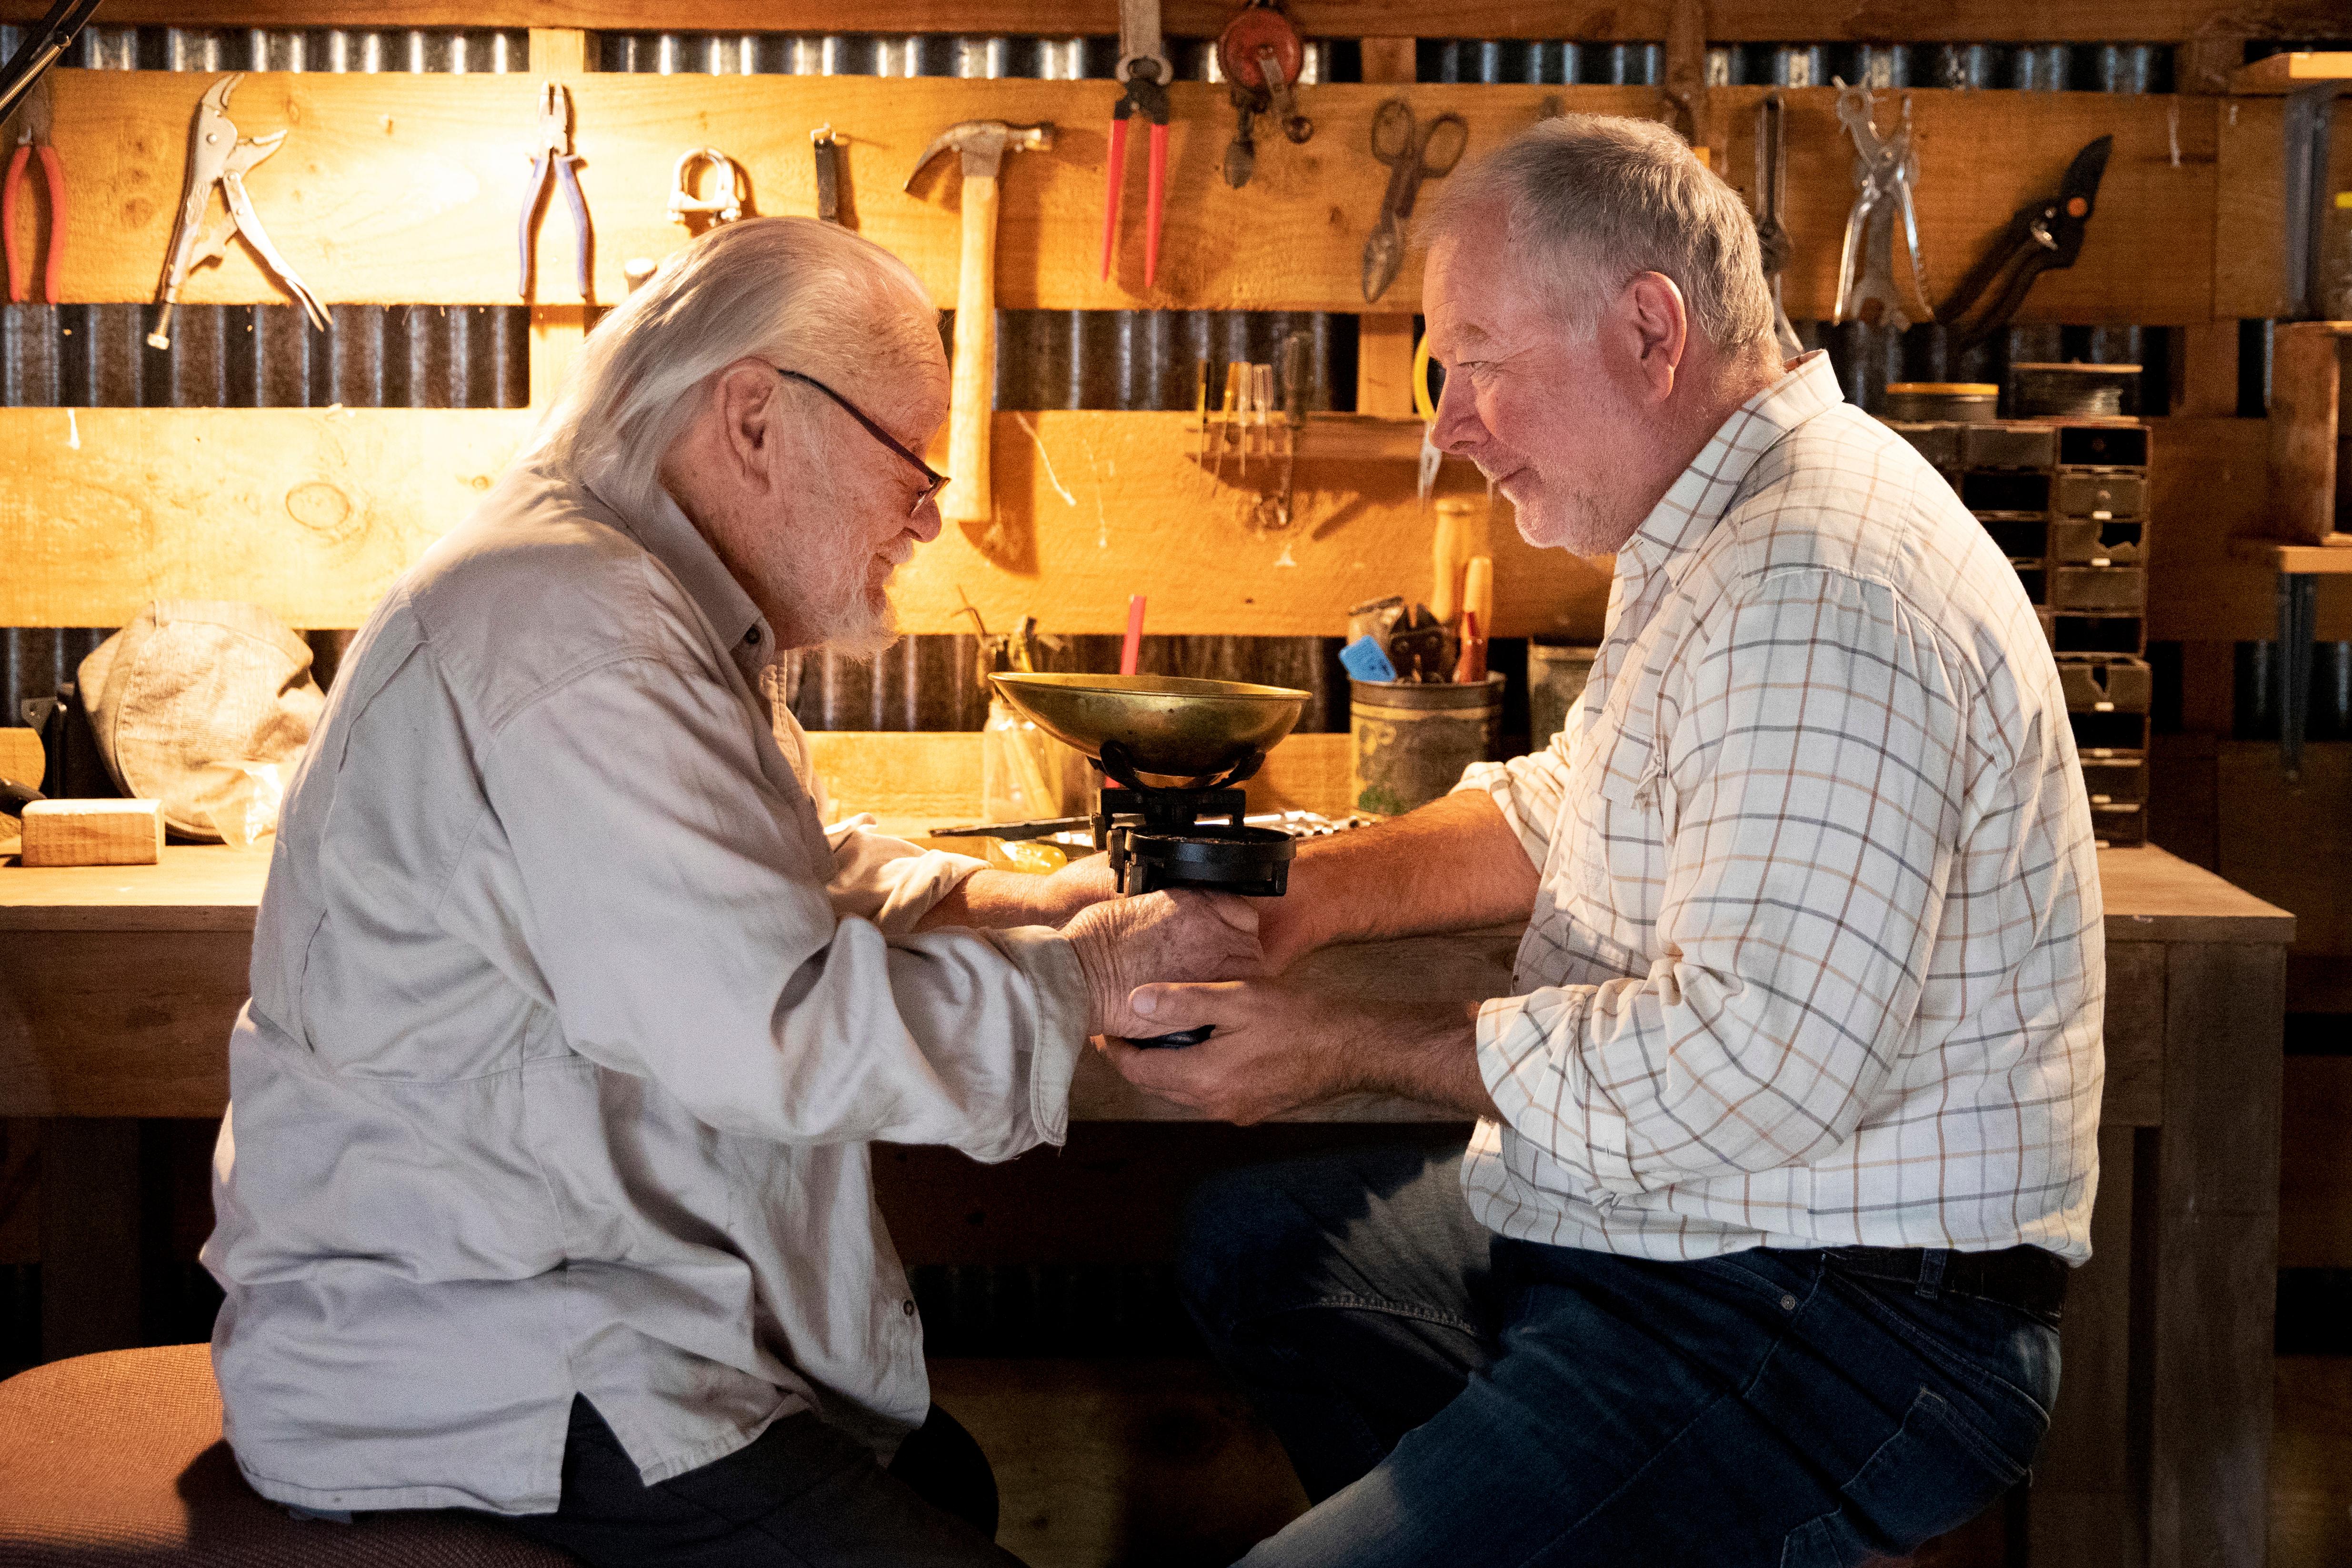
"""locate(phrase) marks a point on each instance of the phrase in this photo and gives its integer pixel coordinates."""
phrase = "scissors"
(1412, 155)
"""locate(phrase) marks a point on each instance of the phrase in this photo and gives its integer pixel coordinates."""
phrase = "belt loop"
(1931, 1271)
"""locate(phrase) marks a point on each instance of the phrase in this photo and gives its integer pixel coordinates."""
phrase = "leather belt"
(2028, 1278)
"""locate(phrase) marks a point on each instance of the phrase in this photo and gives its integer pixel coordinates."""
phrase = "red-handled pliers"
(1143, 67)
(33, 117)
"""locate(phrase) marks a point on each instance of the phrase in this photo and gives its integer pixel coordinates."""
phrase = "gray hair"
(803, 295)
(1592, 200)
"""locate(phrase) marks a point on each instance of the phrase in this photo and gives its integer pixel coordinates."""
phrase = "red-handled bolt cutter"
(33, 138)
(1143, 67)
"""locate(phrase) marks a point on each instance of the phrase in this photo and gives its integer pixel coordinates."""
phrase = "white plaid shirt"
(1817, 958)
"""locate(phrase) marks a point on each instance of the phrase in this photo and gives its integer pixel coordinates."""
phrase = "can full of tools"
(1555, 678)
(1412, 738)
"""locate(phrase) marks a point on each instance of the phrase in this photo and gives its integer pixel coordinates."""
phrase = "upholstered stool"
(117, 1459)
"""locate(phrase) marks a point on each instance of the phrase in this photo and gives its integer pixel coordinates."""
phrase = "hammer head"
(984, 143)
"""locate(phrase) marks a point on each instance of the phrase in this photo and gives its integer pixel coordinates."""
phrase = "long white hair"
(805, 295)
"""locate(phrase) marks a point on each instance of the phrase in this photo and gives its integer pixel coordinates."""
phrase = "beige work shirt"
(1818, 958)
(570, 1028)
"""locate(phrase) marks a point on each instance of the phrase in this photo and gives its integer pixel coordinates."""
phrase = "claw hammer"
(982, 144)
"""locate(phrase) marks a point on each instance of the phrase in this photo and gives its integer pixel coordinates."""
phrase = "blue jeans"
(1450, 1396)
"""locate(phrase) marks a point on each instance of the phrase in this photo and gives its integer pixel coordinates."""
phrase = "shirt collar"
(1703, 492)
(671, 539)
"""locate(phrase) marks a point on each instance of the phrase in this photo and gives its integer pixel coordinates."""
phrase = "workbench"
(122, 983)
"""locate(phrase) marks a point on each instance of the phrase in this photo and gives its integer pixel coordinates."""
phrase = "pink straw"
(1131, 652)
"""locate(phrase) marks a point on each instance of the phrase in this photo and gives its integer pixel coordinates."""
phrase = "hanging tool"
(980, 145)
(1143, 67)
(2043, 236)
(34, 114)
(218, 158)
(1295, 349)
(826, 148)
(1771, 193)
(725, 203)
(1684, 91)
(1262, 57)
(44, 42)
(1425, 407)
(1412, 155)
(552, 162)
(1884, 171)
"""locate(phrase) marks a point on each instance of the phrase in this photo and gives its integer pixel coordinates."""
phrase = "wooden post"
(1383, 340)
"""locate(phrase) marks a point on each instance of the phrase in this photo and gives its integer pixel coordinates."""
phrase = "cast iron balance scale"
(1172, 755)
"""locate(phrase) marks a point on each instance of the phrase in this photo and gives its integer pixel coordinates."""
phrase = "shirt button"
(753, 637)
(907, 1308)
(1788, 1303)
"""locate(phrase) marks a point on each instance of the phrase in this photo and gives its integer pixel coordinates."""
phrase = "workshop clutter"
(2065, 496)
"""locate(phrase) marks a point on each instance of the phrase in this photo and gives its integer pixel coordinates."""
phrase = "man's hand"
(1181, 935)
(1279, 1045)
(997, 899)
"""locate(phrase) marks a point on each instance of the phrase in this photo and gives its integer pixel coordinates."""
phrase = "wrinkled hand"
(1276, 1047)
(1179, 936)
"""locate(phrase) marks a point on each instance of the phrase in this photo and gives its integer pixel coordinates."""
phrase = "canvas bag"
(191, 700)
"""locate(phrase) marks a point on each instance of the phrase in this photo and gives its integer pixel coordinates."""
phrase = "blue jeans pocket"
(1934, 1474)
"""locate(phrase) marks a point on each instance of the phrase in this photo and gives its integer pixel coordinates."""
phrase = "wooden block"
(402, 188)
(2288, 72)
(2307, 369)
(93, 833)
(1384, 347)
(2250, 209)
(21, 757)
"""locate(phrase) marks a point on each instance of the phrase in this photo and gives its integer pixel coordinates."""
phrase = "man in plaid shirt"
(1787, 1138)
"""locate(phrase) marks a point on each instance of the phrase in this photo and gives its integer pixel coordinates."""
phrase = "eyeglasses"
(933, 478)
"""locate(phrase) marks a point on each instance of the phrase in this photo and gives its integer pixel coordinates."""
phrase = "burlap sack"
(189, 691)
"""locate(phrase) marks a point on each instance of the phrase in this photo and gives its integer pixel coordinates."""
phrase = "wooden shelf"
(403, 189)
(2333, 558)
(1600, 21)
(2290, 72)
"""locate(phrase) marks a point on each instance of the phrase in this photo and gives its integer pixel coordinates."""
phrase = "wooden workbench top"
(2151, 896)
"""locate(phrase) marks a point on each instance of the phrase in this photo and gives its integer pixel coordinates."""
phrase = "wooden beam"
(1600, 21)
(559, 51)
(2290, 72)
(311, 513)
(403, 188)
(2250, 205)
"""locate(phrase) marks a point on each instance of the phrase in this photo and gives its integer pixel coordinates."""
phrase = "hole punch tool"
(2043, 236)
(552, 159)
(1262, 57)
(1412, 154)
(218, 158)
(1885, 168)
(725, 203)
(1143, 67)
(33, 115)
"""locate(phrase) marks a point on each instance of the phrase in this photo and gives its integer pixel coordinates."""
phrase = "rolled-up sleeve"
(1821, 778)
(678, 910)
(1529, 789)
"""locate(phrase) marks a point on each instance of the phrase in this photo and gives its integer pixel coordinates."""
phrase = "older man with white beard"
(1788, 1132)
(544, 1188)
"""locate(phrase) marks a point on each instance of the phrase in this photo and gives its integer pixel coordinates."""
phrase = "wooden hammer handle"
(974, 389)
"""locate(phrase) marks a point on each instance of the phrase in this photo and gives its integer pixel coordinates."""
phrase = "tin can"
(1413, 738)
(1555, 678)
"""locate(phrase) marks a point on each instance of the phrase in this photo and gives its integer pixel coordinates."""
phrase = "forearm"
(1434, 1062)
(998, 899)
(1453, 865)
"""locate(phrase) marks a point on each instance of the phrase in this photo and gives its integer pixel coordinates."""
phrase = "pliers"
(33, 120)
(1883, 170)
(2043, 236)
(1143, 67)
(553, 159)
